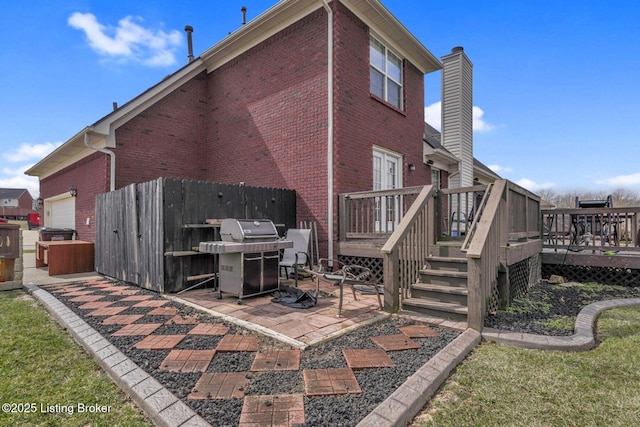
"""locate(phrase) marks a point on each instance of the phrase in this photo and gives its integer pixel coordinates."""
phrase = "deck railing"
(524, 213)
(374, 214)
(595, 229)
(456, 210)
(406, 250)
(492, 218)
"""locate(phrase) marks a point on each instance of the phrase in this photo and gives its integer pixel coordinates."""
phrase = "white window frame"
(435, 178)
(384, 69)
(387, 209)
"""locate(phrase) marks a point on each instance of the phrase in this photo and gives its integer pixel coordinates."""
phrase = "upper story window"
(385, 73)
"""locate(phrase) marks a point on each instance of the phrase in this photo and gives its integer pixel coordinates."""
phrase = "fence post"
(343, 217)
(476, 299)
(391, 282)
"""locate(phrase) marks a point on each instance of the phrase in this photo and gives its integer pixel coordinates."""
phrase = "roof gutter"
(330, 230)
(112, 176)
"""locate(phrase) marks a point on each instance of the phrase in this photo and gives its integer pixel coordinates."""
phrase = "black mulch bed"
(551, 309)
(345, 410)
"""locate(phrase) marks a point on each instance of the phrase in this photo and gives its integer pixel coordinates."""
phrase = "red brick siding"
(90, 176)
(168, 139)
(268, 117)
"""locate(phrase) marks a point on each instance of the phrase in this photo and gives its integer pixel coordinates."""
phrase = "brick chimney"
(457, 113)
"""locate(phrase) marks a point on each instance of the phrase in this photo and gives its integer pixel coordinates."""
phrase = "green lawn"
(47, 380)
(499, 385)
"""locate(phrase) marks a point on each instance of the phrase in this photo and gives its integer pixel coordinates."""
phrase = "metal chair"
(346, 274)
(298, 255)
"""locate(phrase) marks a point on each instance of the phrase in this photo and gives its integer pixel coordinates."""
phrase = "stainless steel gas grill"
(249, 256)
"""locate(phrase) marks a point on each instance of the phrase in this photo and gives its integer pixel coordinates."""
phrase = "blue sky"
(556, 92)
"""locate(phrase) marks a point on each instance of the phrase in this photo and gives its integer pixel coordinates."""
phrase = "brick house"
(256, 108)
(16, 203)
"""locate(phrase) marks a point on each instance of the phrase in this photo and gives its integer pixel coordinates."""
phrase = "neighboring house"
(16, 203)
(256, 108)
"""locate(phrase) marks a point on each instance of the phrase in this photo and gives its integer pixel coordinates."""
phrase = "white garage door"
(63, 213)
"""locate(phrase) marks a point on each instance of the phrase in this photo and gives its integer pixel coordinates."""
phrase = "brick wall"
(268, 117)
(169, 139)
(90, 176)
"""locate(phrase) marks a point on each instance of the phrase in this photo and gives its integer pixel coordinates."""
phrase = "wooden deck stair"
(441, 290)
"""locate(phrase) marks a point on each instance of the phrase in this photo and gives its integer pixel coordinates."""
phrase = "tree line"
(621, 198)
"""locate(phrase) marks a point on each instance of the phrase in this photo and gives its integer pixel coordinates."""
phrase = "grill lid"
(240, 230)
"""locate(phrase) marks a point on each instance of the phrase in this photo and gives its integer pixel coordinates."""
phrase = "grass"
(42, 367)
(507, 386)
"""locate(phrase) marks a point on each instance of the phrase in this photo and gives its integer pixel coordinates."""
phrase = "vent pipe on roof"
(115, 105)
(243, 9)
(189, 30)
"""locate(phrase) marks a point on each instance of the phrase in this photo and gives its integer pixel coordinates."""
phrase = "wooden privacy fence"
(146, 233)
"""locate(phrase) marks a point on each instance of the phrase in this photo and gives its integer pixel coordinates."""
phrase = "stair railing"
(474, 224)
(483, 254)
(406, 250)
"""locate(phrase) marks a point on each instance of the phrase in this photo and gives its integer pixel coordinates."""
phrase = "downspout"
(330, 230)
(112, 155)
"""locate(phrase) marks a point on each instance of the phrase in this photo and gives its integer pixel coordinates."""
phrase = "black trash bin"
(48, 234)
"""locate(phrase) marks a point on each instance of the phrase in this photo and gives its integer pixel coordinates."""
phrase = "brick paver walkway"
(395, 342)
(418, 331)
(322, 382)
(187, 360)
(209, 329)
(262, 410)
(137, 329)
(282, 410)
(276, 360)
(159, 342)
(220, 385)
(367, 358)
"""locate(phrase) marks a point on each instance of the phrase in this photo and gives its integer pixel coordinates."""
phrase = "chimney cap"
(188, 28)
(457, 49)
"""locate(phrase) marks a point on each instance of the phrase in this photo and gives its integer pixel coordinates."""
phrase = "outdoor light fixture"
(73, 191)
(220, 194)
(429, 162)
(412, 167)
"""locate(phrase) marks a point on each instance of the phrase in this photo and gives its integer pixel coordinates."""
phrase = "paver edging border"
(582, 340)
(158, 403)
(404, 403)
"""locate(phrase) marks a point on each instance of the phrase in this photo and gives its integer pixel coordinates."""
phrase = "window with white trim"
(385, 73)
(435, 178)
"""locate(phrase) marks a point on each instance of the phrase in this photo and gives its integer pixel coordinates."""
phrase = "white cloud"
(479, 125)
(535, 186)
(497, 168)
(622, 180)
(128, 41)
(30, 152)
(13, 167)
(432, 115)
